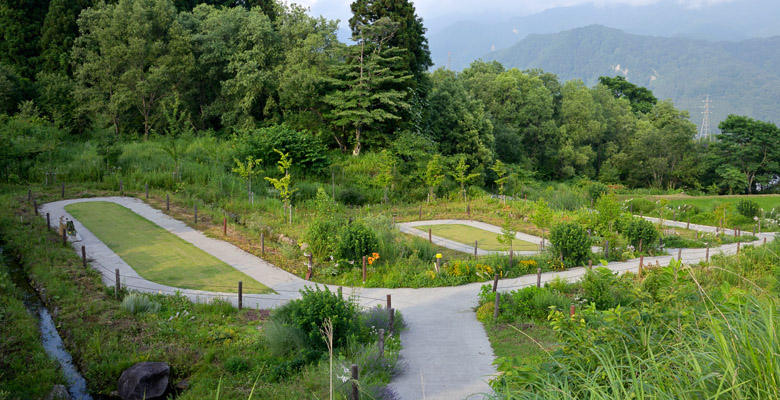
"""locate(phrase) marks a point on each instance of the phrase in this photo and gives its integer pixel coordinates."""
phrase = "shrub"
(570, 240)
(319, 236)
(641, 229)
(304, 148)
(748, 208)
(309, 312)
(236, 364)
(136, 303)
(378, 318)
(596, 190)
(283, 339)
(640, 205)
(597, 285)
(351, 196)
(485, 312)
(355, 242)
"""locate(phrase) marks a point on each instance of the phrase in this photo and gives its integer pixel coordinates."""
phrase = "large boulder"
(144, 381)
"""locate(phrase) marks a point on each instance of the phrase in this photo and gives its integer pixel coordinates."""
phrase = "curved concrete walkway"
(446, 351)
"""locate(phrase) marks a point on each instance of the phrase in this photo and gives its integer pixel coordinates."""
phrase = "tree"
(462, 177)
(642, 99)
(542, 215)
(386, 172)
(364, 91)
(750, 146)
(20, 28)
(410, 35)
(433, 176)
(508, 233)
(283, 184)
(500, 169)
(247, 171)
(58, 34)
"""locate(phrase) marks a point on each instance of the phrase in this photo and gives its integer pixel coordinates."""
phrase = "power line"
(705, 132)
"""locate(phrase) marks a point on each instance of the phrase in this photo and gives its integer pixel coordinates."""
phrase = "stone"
(183, 385)
(144, 381)
(58, 392)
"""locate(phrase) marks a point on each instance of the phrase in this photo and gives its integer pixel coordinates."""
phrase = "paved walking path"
(446, 351)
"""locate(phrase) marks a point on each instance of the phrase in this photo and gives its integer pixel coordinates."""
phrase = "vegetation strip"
(467, 235)
(157, 255)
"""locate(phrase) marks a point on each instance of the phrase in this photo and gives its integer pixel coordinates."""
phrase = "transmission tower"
(705, 133)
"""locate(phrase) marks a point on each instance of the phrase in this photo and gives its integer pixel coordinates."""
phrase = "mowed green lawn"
(157, 254)
(467, 235)
(708, 203)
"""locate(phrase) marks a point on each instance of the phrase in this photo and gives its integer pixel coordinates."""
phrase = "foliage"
(462, 177)
(247, 171)
(300, 145)
(433, 176)
(355, 241)
(748, 208)
(570, 241)
(749, 146)
(139, 304)
(310, 311)
(283, 184)
(641, 229)
(596, 190)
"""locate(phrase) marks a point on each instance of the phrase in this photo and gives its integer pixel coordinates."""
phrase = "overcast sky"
(431, 10)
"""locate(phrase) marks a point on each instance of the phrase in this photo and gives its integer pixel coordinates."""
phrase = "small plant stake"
(196, 213)
(262, 243)
(240, 295)
(224, 226)
(389, 301)
(430, 236)
(117, 284)
(381, 342)
(538, 277)
(391, 320)
(355, 376)
(495, 283)
(496, 306)
(167, 202)
(146, 186)
(84, 256)
(438, 262)
(48, 221)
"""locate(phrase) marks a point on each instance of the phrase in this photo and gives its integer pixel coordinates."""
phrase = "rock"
(144, 381)
(183, 385)
(58, 392)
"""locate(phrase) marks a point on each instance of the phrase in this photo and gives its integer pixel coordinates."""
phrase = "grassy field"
(708, 203)
(157, 254)
(467, 235)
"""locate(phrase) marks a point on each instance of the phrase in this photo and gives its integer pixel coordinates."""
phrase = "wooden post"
(117, 284)
(224, 226)
(737, 247)
(475, 249)
(290, 214)
(310, 265)
(389, 302)
(495, 283)
(340, 292)
(571, 311)
(381, 343)
(48, 221)
(430, 236)
(420, 218)
(84, 256)
(606, 249)
(640, 246)
(63, 190)
(511, 255)
(679, 254)
(35, 207)
(146, 186)
(538, 277)
(468, 211)
(765, 241)
(364, 269)
(688, 226)
(355, 376)
(196, 213)
(167, 202)
(590, 264)
(240, 295)
(496, 306)
(65, 236)
(262, 243)
(438, 264)
(660, 242)
(391, 321)
(735, 231)
(641, 265)
(121, 187)
(707, 257)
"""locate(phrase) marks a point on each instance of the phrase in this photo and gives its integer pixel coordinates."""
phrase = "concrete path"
(446, 351)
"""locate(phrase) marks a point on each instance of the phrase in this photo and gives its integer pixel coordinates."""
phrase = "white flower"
(343, 378)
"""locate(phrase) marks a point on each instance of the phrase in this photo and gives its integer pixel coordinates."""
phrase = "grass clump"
(136, 303)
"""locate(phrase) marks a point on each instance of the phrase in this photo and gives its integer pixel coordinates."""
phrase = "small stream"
(50, 338)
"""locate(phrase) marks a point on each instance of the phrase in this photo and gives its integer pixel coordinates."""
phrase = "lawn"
(467, 235)
(157, 254)
(708, 203)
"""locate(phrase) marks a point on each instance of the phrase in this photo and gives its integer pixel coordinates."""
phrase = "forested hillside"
(739, 77)
(267, 76)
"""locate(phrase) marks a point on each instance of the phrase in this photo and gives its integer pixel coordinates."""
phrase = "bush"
(284, 340)
(351, 196)
(570, 240)
(236, 364)
(309, 312)
(305, 149)
(640, 205)
(748, 208)
(605, 289)
(136, 303)
(596, 190)
(355, 242)
(641, 229)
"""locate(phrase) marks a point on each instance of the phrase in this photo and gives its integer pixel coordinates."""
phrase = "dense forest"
(262, 72)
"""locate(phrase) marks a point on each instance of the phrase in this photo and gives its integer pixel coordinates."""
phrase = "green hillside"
(740, 77)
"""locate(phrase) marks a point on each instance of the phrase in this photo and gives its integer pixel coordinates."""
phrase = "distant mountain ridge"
(739, 77)
(460, 43)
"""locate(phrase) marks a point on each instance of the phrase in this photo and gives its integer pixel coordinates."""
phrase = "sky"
(453, 10)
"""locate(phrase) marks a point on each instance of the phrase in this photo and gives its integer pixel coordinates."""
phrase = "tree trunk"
(356, 150)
